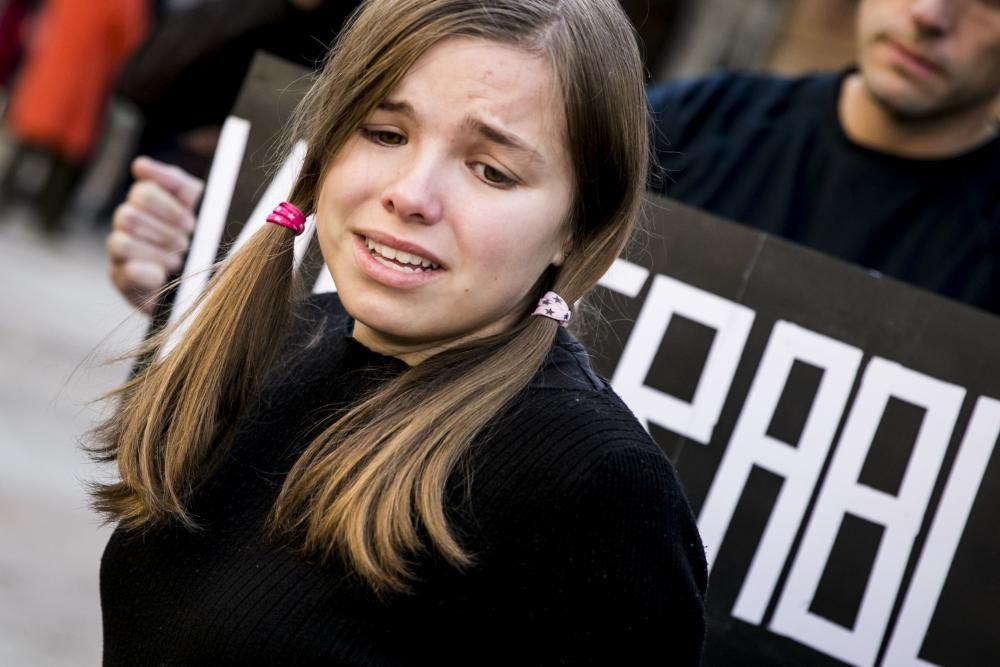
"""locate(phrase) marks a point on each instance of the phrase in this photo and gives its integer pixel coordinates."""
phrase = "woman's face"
(448, 204)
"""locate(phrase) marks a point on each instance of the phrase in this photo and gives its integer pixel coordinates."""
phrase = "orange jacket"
(79, 47)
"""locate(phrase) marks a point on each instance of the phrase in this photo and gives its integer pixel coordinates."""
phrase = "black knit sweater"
(585, 549)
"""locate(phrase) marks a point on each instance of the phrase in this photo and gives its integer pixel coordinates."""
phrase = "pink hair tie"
(552, 306)
(288, 215)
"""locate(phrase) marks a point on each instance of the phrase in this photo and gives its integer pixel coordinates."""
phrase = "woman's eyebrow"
(475, 125)
(399, 106)
(498, 136)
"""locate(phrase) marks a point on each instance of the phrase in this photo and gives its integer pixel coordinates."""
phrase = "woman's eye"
(494, 176)
(384, 137)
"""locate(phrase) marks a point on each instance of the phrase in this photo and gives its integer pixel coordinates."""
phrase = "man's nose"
(935, 17)
(415, 193)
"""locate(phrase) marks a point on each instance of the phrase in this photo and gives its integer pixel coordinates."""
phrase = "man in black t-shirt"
(894, 165)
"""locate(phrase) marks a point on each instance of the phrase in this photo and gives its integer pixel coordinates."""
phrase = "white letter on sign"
(942, 541)
(211, 221)
(625, 278)
(901, 515)
(731, 321)
(799, 463)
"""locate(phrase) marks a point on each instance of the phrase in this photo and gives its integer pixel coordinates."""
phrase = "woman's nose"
(415, 194)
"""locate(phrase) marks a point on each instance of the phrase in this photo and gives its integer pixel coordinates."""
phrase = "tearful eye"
(384, 137)
(494, 176)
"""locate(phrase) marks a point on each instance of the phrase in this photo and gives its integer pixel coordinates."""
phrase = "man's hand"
(151, 229)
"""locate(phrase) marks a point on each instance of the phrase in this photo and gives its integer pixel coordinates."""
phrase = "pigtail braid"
(368, 483)
(173, 415)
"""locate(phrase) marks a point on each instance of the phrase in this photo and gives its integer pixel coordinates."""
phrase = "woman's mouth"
(399, 260)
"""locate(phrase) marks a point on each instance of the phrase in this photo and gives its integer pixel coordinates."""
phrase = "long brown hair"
(367, 484)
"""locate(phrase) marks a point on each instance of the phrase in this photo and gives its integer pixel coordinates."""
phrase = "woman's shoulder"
(567, 393)
(567, 366)
(572, 479)
(585, 433)
(569, 424)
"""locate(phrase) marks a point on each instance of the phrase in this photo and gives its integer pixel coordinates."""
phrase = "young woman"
(423, 469)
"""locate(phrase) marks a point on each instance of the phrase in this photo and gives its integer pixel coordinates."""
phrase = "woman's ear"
(563, 252)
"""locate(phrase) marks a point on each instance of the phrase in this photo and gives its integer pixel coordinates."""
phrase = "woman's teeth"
(399, 260)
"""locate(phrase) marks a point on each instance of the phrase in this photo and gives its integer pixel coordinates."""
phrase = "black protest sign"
(834, 430)
(835, 433)
(251, 173)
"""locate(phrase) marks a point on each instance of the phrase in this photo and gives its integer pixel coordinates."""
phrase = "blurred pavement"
(60, 321)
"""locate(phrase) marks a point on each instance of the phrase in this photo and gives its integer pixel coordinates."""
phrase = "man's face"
(927, 58)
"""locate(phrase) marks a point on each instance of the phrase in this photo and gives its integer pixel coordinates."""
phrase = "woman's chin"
(390, 335)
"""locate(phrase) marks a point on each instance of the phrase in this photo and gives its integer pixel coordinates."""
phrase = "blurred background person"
(202, 53)
(14, 20)
(57, 103)
(893, 164)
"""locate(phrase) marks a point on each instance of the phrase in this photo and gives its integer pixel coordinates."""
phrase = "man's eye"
(384, 137)
(494, 176)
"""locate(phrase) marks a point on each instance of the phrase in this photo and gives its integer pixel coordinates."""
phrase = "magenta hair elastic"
(288, 215)
(554, 307)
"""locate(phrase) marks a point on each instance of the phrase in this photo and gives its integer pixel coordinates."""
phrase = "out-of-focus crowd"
(157, 78)
(177, 64)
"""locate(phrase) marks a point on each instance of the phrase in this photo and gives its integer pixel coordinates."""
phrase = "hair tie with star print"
(554, 307)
